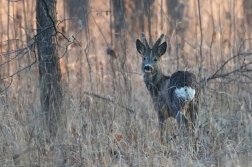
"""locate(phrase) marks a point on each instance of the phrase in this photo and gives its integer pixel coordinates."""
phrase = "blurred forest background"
(106, 114)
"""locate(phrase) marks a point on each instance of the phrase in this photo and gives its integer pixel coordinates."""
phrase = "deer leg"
(161, 121)
(177, 110)
(181, 119)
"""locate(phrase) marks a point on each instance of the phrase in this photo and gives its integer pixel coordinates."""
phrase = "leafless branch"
(109, 100)
(243, 68)
(201, 41)
(32, 42)
(29, 66)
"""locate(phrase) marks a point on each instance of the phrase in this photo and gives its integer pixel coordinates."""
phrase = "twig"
(216, 75)
(29, 66)
(201, 41)
(99, 29)
(109, 100)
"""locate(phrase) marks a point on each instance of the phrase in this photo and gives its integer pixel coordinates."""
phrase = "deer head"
(151, 56)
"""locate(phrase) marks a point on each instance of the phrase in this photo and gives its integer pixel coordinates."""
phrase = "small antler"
(145, 41)
(155, 46)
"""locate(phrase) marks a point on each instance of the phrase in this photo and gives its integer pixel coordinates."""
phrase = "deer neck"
(154, 82)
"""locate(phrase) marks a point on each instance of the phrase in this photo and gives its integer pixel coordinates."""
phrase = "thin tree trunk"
(49, 69)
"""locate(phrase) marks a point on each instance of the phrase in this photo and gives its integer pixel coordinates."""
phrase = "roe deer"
(174, 96)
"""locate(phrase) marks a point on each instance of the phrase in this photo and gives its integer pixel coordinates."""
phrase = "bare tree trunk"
(118, 6)
(49, 69)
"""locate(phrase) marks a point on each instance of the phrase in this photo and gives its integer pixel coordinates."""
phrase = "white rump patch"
(187, 93)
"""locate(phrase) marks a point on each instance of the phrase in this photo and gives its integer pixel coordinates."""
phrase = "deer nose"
(148, 68)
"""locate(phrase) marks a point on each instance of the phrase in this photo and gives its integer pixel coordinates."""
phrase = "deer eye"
(155, 59)
(144, 58)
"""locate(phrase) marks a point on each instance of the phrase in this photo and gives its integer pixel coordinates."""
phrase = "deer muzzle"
(148, 68)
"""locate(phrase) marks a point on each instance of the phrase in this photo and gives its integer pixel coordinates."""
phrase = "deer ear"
(162, 48)
(140, 47)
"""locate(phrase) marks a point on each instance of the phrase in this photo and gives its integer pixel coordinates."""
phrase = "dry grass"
(99, 133)
(100, 91)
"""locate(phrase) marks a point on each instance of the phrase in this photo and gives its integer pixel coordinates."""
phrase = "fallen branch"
(109, 100)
